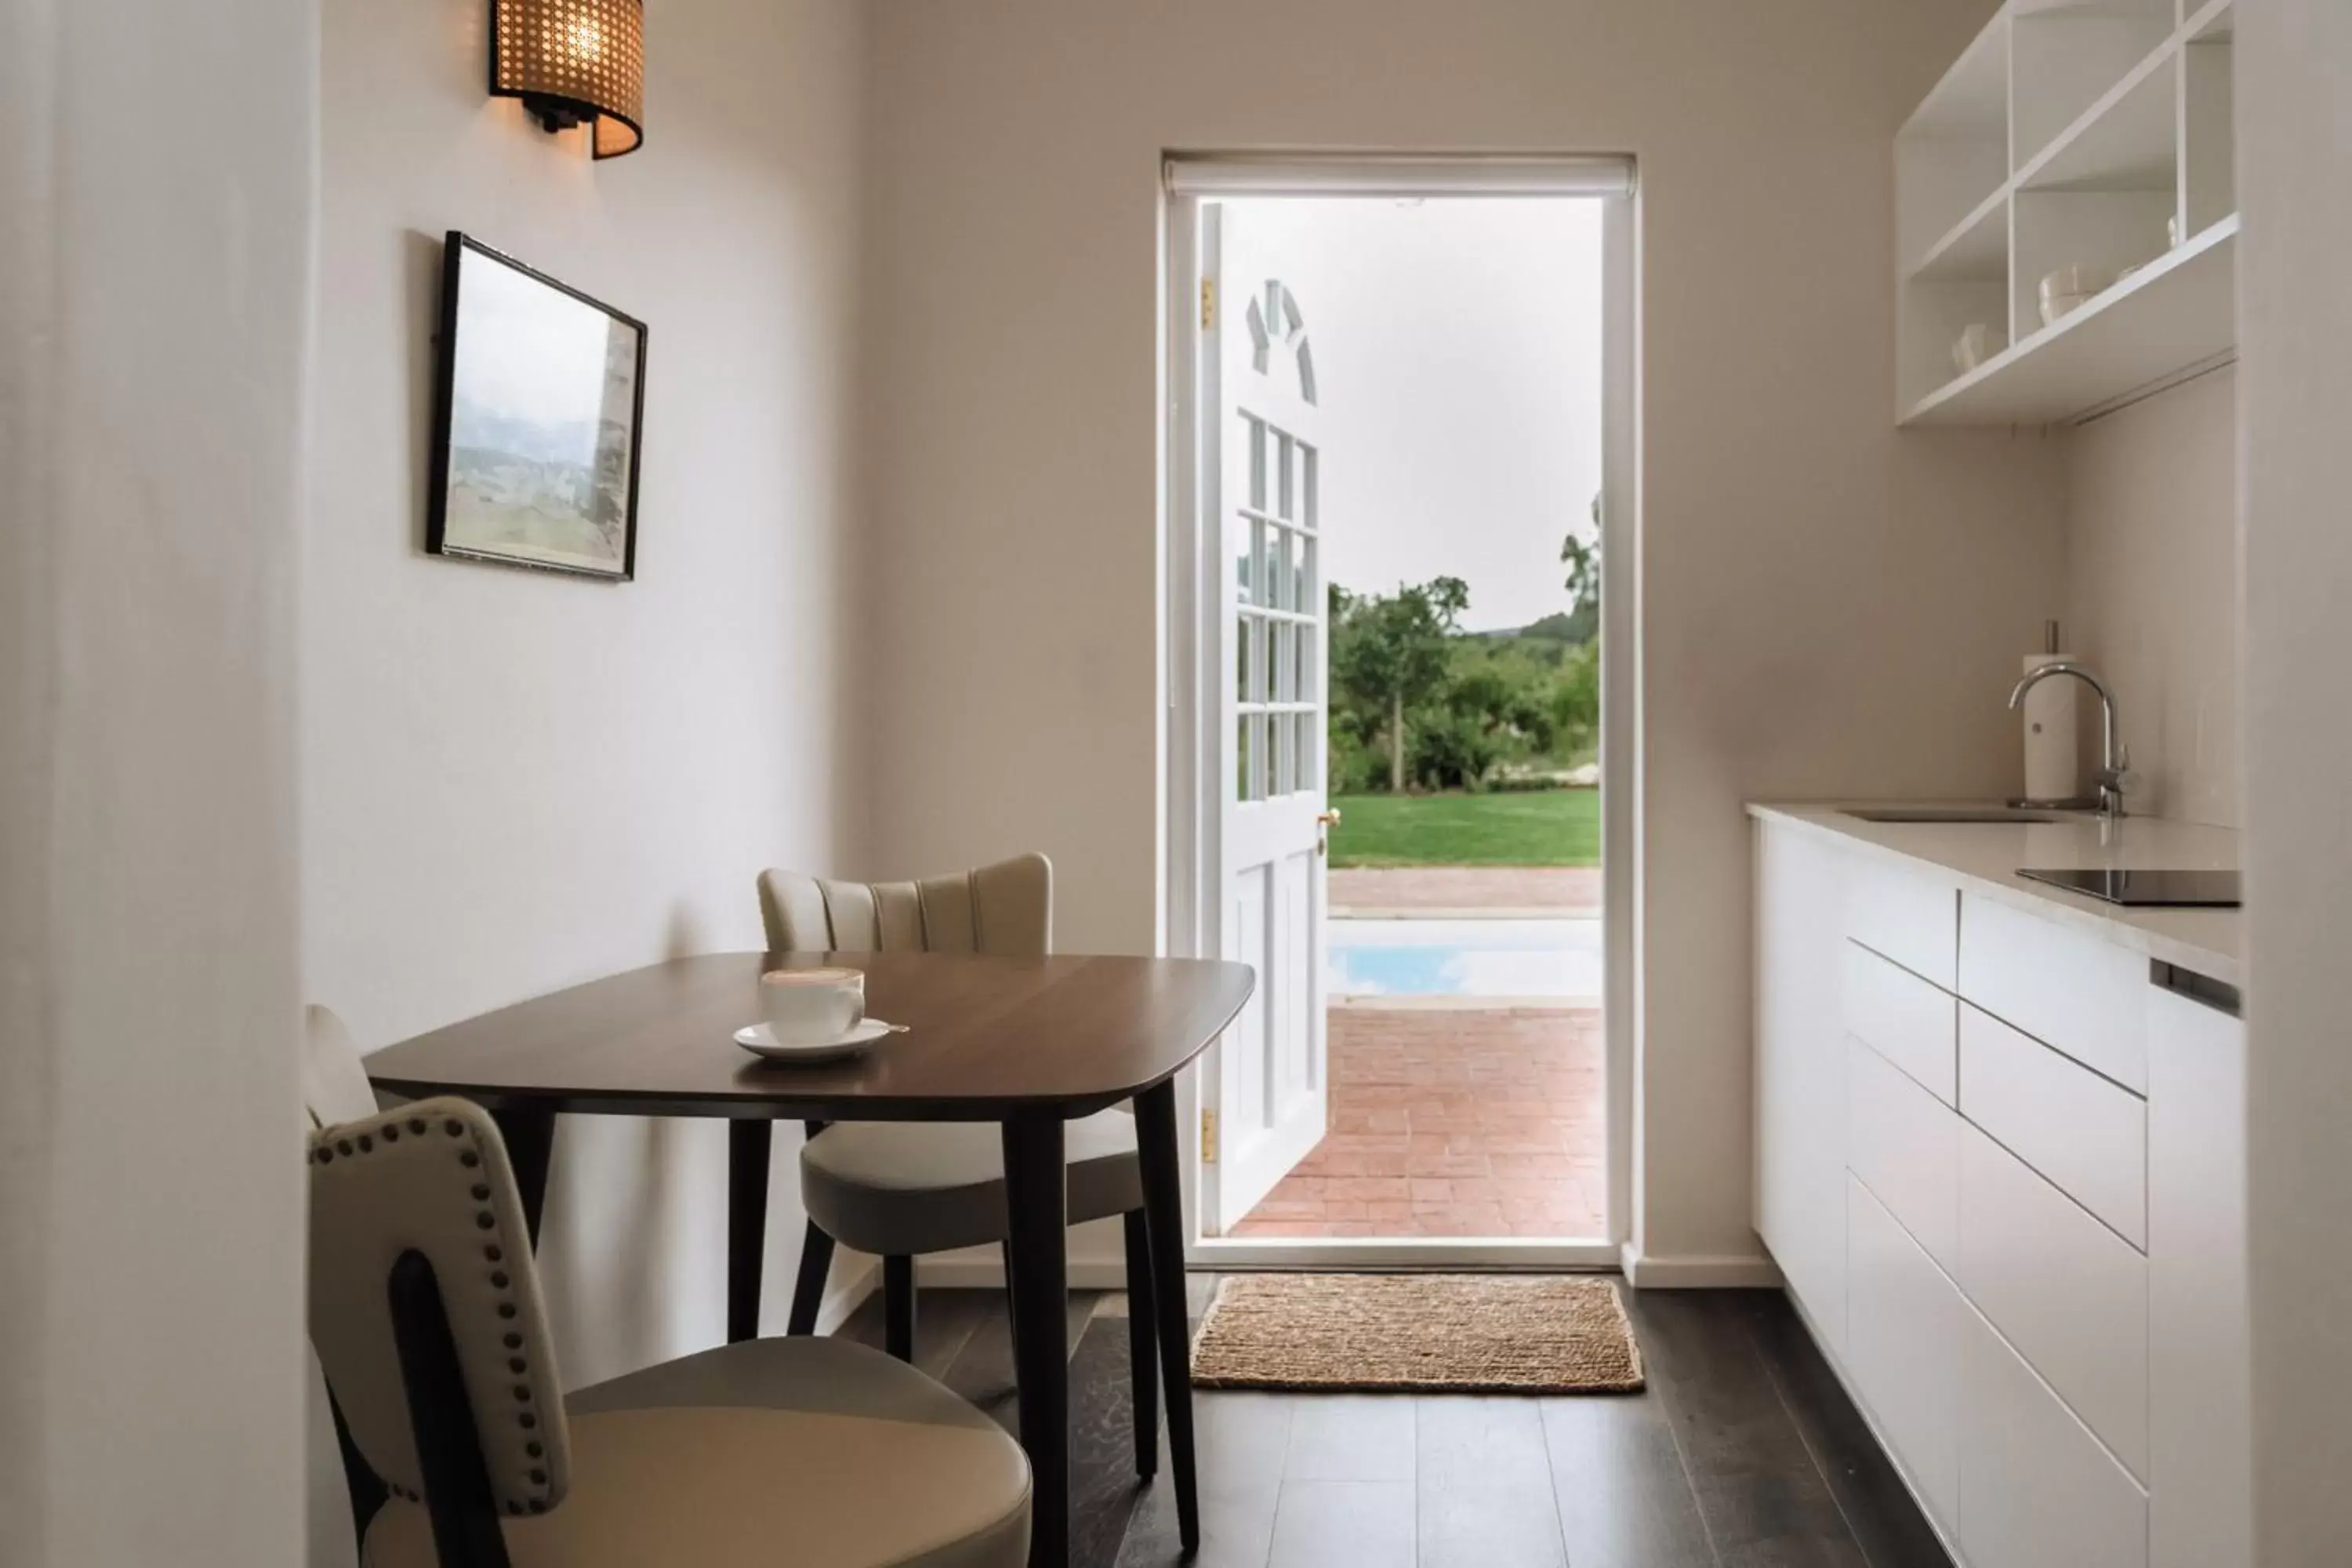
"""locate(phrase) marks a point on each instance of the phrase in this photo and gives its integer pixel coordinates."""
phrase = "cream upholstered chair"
(425, 1313)
(335, 1085)
(898, 1190)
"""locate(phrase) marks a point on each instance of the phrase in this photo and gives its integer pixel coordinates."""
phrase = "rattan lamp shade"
(572, 61)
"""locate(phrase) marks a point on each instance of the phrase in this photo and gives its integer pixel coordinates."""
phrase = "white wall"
(2152, 591)
(2295, 180)
(514, 782)
(1457, 357)
(1830, 607)
(155, 268)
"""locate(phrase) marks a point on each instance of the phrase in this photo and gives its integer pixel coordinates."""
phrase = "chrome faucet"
(2114, 757)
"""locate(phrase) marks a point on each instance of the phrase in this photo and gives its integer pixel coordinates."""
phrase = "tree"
(1390, 652)
(1574, 712)
(1583, 562)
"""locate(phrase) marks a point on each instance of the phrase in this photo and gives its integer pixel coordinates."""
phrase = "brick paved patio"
(1452, 1121)
(1467, 889)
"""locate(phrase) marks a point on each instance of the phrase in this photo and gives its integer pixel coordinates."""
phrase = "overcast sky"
(1457, 354)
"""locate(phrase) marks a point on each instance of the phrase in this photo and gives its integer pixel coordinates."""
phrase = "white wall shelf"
(1976, 248)
(2177, 314)
(2071, 132)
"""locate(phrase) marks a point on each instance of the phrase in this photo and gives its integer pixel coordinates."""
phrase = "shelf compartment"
(1972, 102)
(2126, 141)
(1951, 156)
(1975, 250)
(2067, 56)
(2106, 231)
(2208, 94)
(2177, 313)
(2216, 23)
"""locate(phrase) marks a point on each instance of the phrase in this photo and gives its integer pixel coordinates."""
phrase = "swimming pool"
(1535, 960)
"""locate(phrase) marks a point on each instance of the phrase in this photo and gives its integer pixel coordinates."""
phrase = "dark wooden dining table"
(1031, 1043)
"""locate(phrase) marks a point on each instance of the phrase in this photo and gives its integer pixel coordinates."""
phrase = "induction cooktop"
(2210, 889)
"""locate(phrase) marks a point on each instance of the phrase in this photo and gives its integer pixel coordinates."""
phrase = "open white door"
(1271, 1095)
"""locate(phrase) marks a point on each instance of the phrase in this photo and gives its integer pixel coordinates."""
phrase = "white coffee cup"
(809, 1006)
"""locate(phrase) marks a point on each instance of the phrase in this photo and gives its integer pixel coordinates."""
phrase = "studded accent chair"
(335, 1085)
(898, 1190)
(425, 1313)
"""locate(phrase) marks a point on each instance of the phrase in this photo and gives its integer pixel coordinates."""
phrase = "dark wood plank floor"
(1744, 1453)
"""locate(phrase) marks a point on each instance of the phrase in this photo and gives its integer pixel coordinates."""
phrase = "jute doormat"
(1425, 1332)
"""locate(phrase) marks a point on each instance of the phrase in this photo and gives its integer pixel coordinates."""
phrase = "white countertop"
(1985, 857)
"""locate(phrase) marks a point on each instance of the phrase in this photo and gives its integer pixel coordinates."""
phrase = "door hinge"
(1208, 1137)
(1207, 303)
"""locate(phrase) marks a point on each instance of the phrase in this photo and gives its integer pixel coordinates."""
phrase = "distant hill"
(1563, 628)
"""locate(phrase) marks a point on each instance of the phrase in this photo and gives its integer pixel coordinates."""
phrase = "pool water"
(1534, 959)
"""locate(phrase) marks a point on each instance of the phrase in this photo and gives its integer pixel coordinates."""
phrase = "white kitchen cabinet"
(1902, 1325)
(1912, 1024)
(2087, 1135)
(2011, 1203)
(2068, 1292)
(1903, 1144)
(2036, 1488)
(1800, 1068)
(2200, 1473)
(1905, 916)
(2062, 986)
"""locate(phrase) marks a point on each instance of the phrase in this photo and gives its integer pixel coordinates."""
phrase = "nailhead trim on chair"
(500, 1281)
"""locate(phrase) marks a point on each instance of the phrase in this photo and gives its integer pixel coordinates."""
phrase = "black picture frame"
(462, 530)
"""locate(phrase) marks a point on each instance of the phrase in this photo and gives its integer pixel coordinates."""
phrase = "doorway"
(1393, 733)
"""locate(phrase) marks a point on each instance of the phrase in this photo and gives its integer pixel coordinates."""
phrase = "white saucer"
(760, 1041)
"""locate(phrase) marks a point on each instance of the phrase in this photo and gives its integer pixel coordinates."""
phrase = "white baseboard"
(1729, 1271)
(844, 1298)
(956, 1271)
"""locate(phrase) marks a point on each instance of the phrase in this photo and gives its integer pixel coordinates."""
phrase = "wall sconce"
(574, 62)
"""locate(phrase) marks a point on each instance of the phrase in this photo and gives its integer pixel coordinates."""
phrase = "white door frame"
(1193, 577)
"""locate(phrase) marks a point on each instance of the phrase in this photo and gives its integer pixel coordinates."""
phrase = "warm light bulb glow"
(573, 61)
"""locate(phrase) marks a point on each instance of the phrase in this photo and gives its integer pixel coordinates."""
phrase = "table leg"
(1037, 1208)
(529, 1133)
(748, 1146)
(1163, 1208)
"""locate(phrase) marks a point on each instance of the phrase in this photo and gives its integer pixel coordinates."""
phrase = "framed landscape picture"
(537, 420)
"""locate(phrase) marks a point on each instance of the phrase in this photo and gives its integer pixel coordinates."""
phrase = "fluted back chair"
(1006, 909)
(426, 1314)
(900, 1191)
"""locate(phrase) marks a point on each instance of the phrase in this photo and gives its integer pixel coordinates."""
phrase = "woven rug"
(1417, 1332)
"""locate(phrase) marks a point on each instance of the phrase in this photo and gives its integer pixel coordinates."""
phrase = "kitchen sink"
(1946, 814)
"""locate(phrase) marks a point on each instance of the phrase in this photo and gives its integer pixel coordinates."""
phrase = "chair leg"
(899, 1308)
(1142, 1345)
(808, 1289)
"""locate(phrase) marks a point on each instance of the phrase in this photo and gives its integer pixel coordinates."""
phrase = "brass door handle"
(1329, 818)
(1324, 821)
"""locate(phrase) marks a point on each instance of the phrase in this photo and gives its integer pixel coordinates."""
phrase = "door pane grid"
(1278, 625)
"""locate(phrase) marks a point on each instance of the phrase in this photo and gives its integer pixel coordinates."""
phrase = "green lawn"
(1533, 828)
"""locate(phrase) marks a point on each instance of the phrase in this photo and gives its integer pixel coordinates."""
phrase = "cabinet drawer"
(1903, 1144)
(1907, 916)
(2036, 1489)
(2063, 1289)
(2089, 1137)
(2066, 989)
(1902, 1319)
(1907, 1020)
